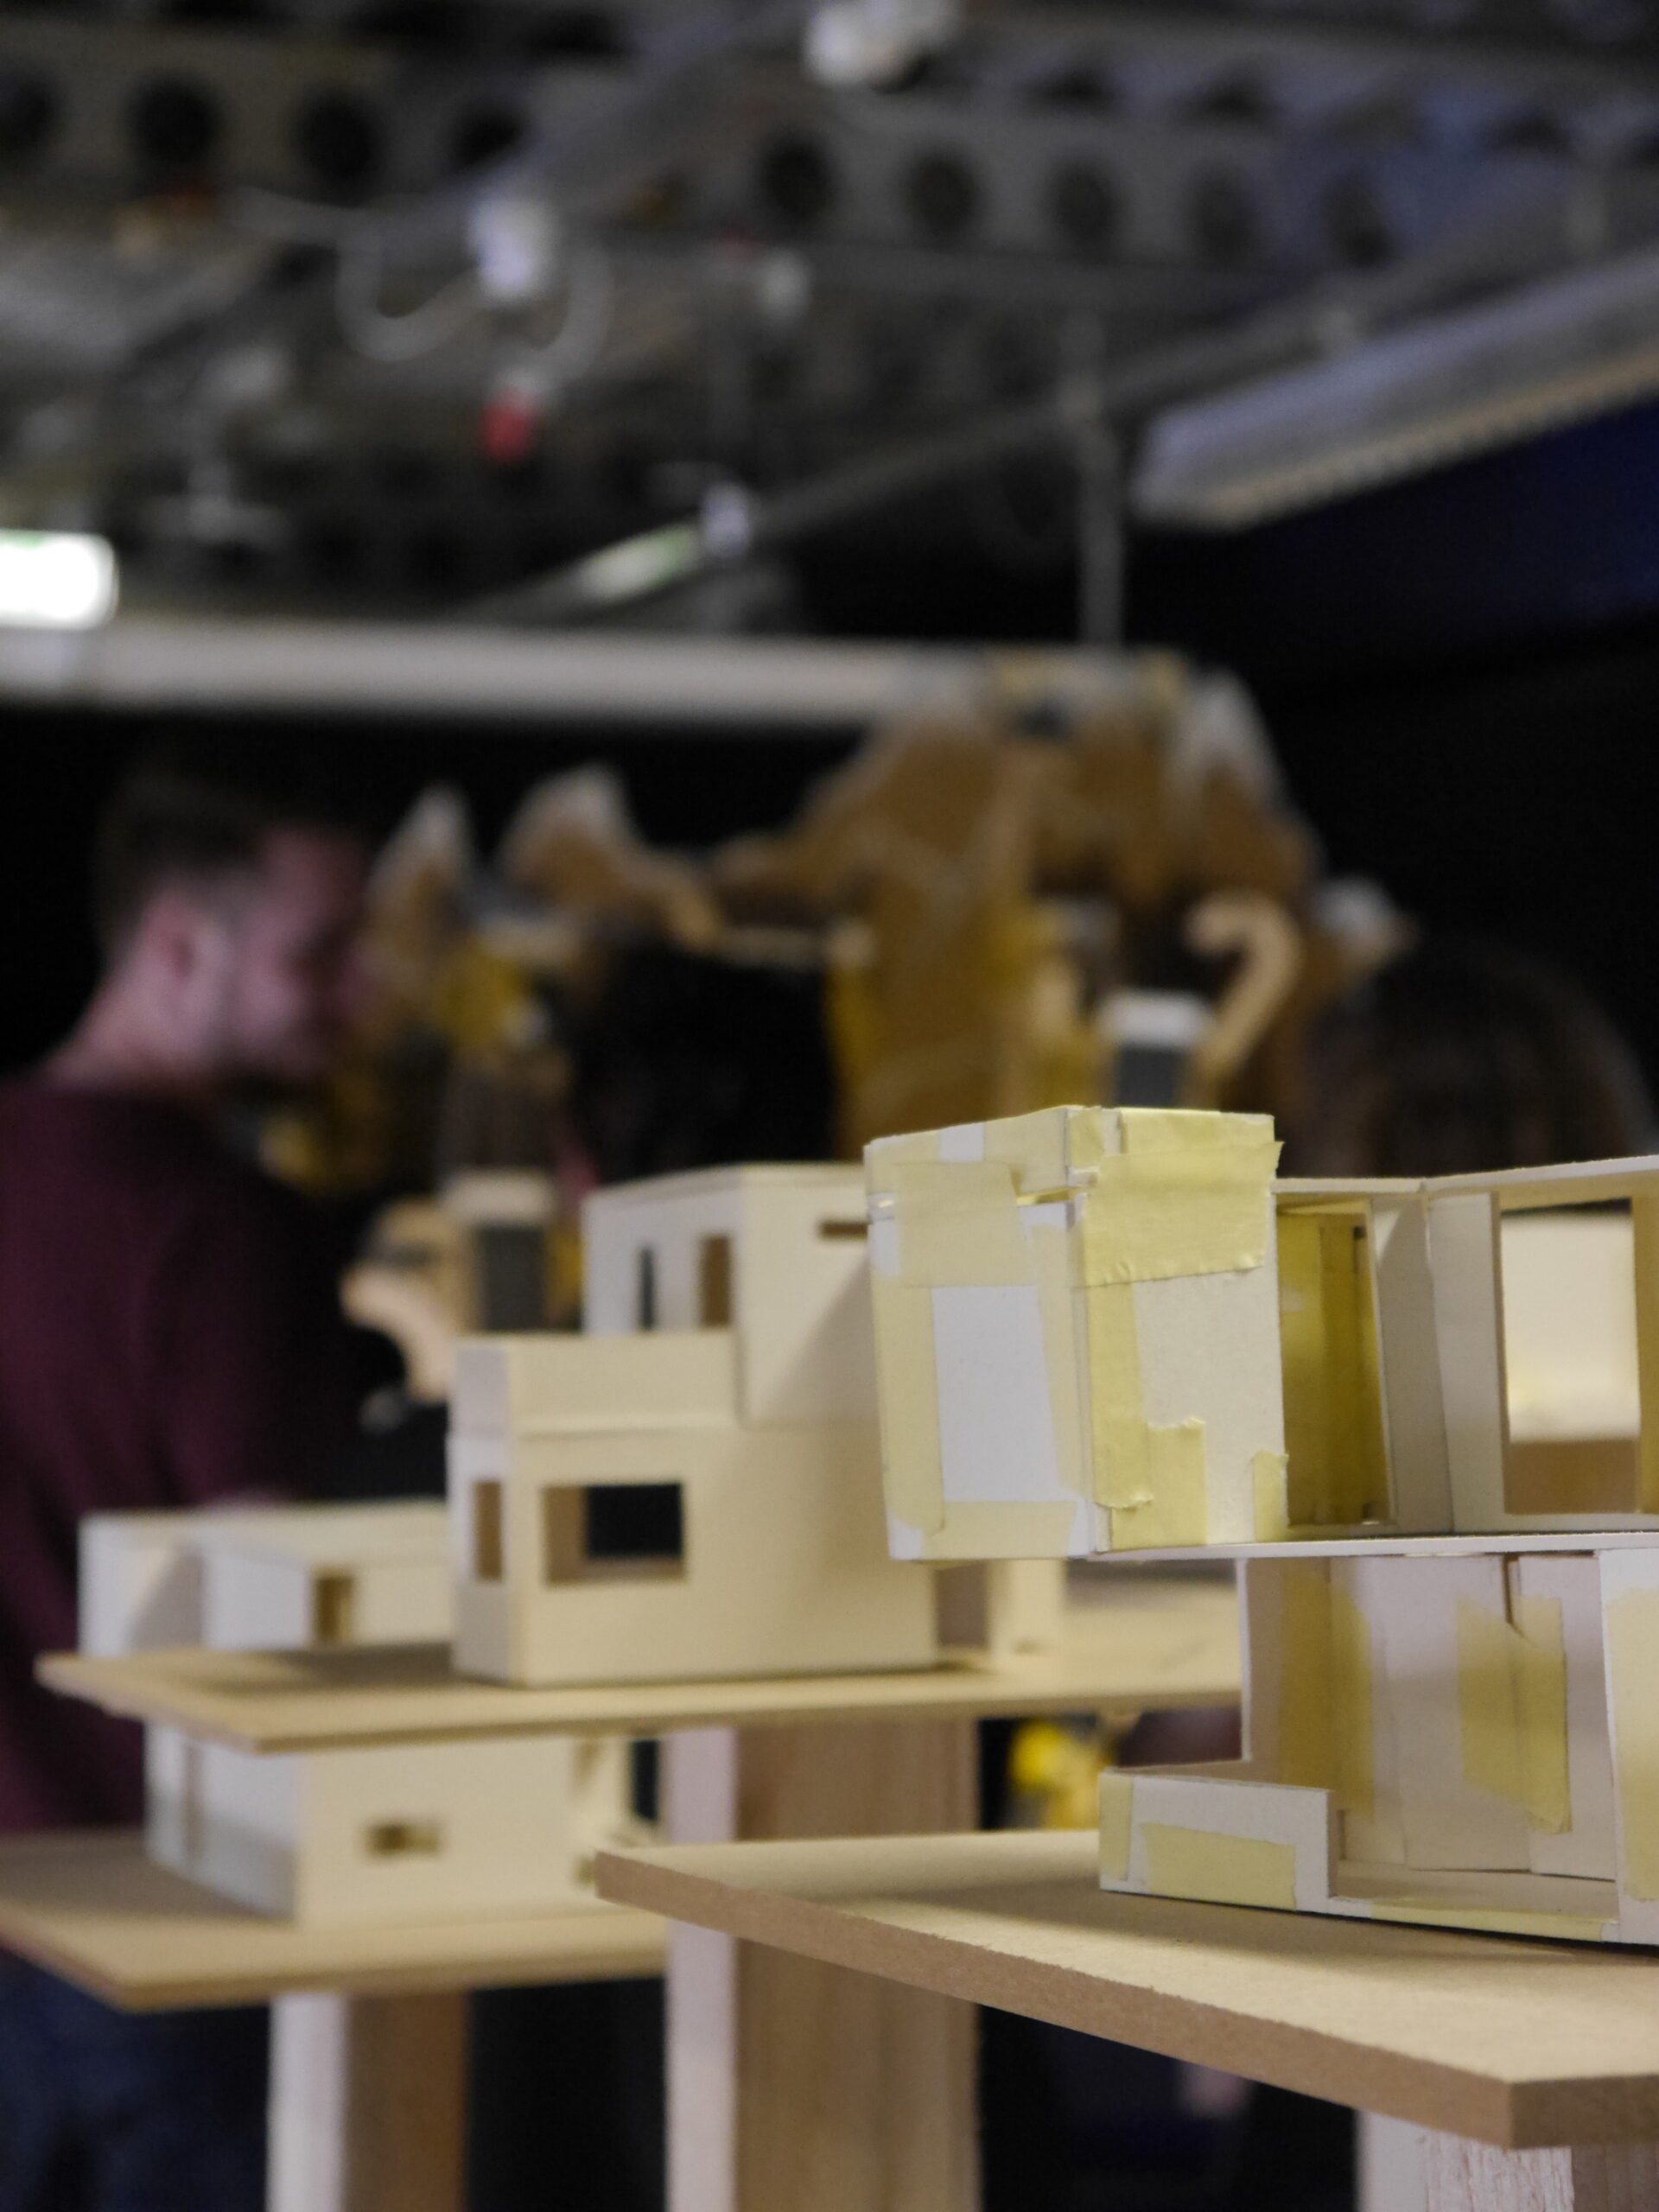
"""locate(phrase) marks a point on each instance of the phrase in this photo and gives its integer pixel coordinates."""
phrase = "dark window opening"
(715, 1282)
(613, 1532)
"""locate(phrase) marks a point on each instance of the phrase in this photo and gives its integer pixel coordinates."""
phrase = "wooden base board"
(1515, 2044)
(89, 1906)
(1175, 1643)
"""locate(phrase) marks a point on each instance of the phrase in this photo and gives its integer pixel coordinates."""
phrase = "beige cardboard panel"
(910, 1405)
(1219, 1869)
(553, 1384)
(1116, 1821)
(786, 1565)
(996, 1532)
(1306, 1679)
(997, 1442)
(1034, 1146)
(1120, 1450)
(1573, 1583)
(1376, 1837)
(1229, 1810)
(1419, 1484)
(886, 1155)
(1629, 1584)
(1449, 1819)
(1469, 1327)
(959, 1223)
(1177, 1511)
(1644, 1213)
(1541, 1698)
(1062, 1352)
(1489, 1714)
(1269, 1497)
(1208, 1349)
(1352, 1700)
(1156, 1215)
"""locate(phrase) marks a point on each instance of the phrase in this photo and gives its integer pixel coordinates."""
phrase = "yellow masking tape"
(1119, 1451)
(1328, 1338)
(1427, 1912)
(1188, 1129)
(1178, 1511)
(1057, 1304)
(1092, 1134)
(1632, 1671)
(1033, 1146)
(1219, 1869)
(1117, 1824)
(959, 1224)
(1541, 1709)
(1488, 1723)
(1644, 1222)
(1000, 1531)
(908, 1383)
(886, 1155)
(1302, 1588)
(1269, 1480)
(1148, 1219)
(1351, 1710)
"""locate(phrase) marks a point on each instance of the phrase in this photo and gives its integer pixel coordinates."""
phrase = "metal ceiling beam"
(1332, 317)
(695, 686)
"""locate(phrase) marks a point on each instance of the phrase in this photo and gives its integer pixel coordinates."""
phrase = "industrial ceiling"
(322, 309)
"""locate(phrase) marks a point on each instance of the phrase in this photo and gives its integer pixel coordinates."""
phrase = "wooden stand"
(788, 2082)
(368, 2084)
(1530, 2071)
(368, 2103)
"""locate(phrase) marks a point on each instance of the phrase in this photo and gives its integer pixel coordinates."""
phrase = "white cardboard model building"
(378, 1834)
(691, 1486)
(248, 1579)
(1423, 1415)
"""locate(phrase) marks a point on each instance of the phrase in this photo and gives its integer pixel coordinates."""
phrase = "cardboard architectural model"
(1424, 1415)
(383, 1832)
(691, 1487)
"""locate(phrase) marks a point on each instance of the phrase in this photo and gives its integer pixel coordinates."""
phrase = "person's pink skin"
(248, 978)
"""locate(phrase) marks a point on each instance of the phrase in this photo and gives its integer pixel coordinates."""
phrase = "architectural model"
(377, 1833)
(1424, 1415)
(690, 1487)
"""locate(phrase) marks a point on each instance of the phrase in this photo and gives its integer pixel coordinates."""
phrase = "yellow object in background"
(1054, 1770)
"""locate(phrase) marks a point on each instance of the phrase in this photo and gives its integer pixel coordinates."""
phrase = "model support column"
(368, 2103)
(794, 2083)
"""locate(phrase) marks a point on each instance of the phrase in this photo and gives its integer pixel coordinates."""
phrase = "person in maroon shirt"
(170, 1334)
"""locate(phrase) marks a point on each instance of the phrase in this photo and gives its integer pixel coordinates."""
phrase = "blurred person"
(170, 1335)
(1460, 1058)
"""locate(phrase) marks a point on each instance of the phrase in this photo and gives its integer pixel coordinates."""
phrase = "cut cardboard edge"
(1177, 1670)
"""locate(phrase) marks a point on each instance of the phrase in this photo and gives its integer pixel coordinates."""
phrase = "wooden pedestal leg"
(799, 2084)
(368, 2103)
(1404, 2169)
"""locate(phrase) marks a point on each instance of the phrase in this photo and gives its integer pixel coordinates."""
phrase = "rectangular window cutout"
(644, 1288)
(486, 1532)
(843, 1232)
(334, 1608)
(1336, 1453)
(715, 1282)
(404, 1839)
(1572, 1382)
(511, 1261)
(613, 1532)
